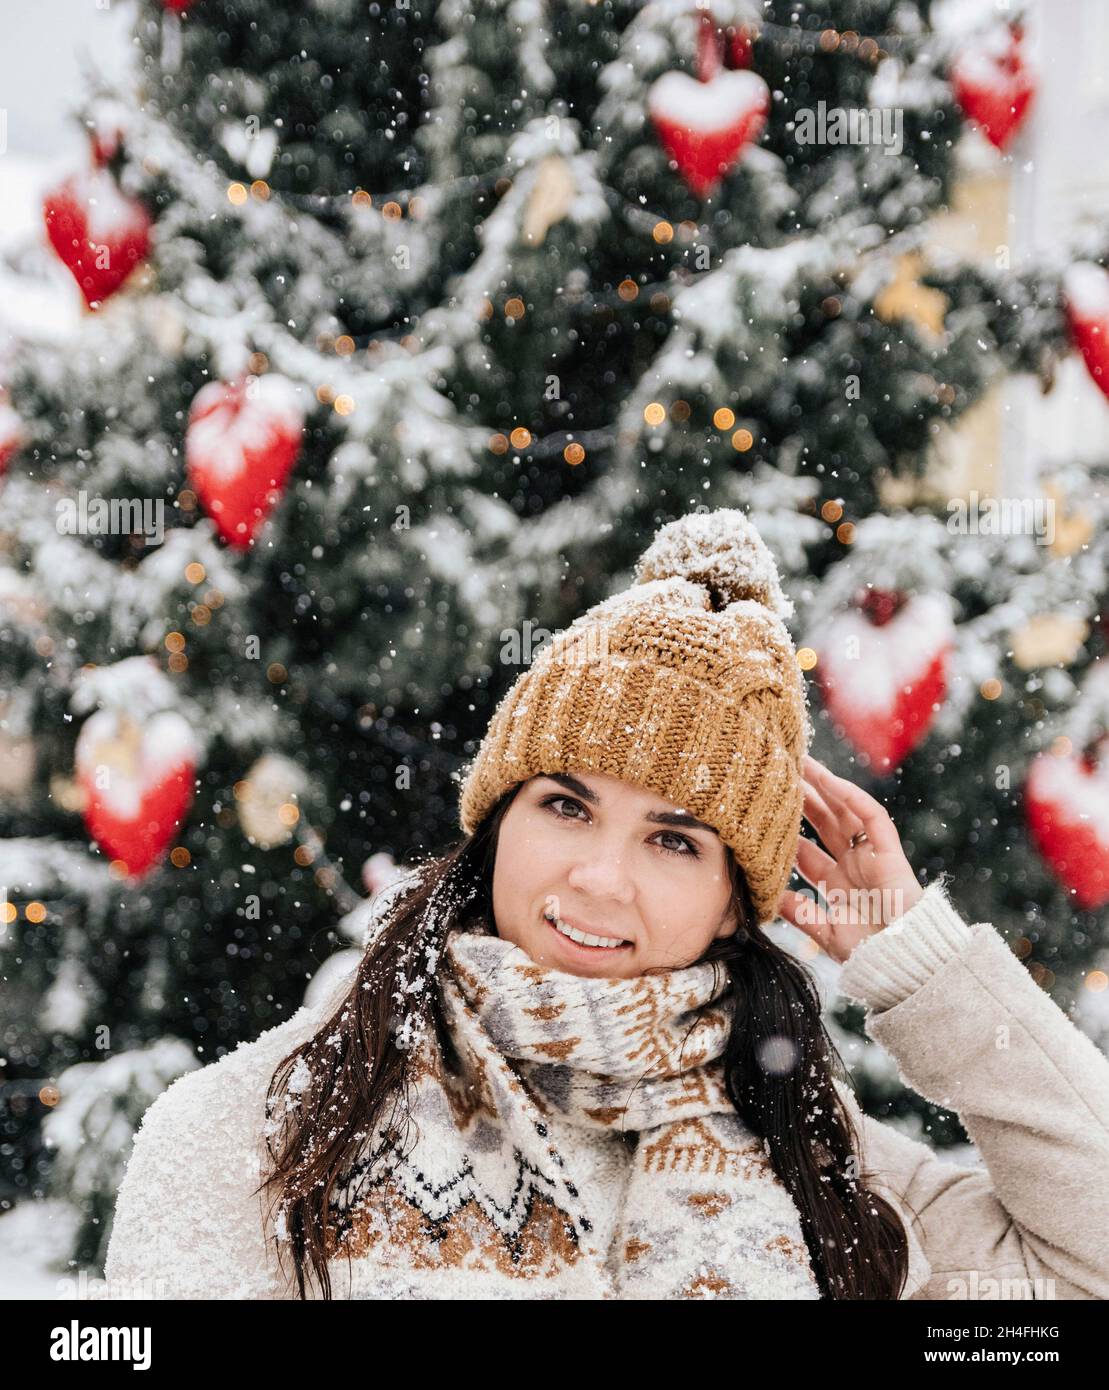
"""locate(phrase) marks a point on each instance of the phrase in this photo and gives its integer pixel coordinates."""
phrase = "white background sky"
(42, 44)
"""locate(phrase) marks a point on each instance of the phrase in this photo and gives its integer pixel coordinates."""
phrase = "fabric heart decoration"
(1066, 802)
(741, 45)
(705, 127)
(993, 85)
(883, 671)
(137, 783)
(107, 127)
(1086, 296)
(100, 235)
(242, 441)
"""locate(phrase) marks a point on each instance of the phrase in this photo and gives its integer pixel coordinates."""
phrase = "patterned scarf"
(582, 1136)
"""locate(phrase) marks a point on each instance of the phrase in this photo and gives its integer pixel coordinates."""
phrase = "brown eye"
(693, 851)
(549, 802)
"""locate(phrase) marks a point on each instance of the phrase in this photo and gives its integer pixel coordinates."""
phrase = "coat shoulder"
(190, 1221)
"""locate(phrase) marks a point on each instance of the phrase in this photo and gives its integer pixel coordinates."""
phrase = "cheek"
(520, 847)
(687, 908)
(517, 866)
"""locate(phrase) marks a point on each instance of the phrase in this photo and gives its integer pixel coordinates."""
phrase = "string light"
(742, 440)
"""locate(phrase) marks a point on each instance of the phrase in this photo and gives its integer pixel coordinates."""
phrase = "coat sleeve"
(971, 1031)
(186, 1225)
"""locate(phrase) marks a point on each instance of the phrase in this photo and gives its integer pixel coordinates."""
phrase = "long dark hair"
(780, 1069)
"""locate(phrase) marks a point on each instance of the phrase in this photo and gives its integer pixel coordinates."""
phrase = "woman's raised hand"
(866, 885)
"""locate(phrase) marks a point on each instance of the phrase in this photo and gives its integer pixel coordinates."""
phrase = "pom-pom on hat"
(687, 684)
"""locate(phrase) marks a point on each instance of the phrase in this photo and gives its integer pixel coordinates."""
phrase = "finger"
(817, 867)
(852, 800)
(806, 915)
(827, 823)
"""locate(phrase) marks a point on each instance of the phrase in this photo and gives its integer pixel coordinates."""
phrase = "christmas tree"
(406, 328)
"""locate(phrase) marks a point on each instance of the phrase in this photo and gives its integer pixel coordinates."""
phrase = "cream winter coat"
(967, 1026)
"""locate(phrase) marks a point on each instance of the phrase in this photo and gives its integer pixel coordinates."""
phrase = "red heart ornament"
(705, 127)
(741, 46)
(883, 682)
(1086, 295)
(1067, 808)
(993, 84)
(241, 443)
(99, 234)
(138, 783)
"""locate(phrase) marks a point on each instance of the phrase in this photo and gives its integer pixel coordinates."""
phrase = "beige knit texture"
(686, 684)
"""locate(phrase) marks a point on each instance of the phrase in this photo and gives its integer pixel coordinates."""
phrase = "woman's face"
(615, 861)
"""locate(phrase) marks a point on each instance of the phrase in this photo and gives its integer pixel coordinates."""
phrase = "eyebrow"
(687, 822)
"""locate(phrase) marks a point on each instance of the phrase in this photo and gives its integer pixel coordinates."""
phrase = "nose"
(602, 875)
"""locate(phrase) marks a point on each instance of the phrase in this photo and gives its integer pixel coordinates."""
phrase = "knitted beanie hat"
(687, 684)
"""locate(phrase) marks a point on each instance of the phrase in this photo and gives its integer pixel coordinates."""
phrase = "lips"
(589, 931)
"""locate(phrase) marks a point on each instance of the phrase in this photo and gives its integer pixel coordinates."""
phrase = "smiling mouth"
(586, 941)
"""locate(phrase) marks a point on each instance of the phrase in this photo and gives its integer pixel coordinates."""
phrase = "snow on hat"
(687, 684)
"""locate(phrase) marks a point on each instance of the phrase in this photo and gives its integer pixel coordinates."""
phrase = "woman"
(572, 1064)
